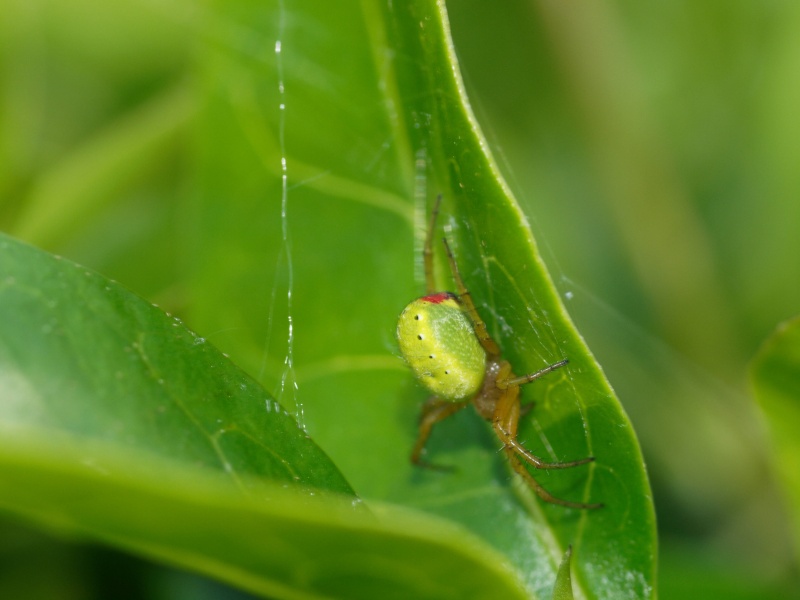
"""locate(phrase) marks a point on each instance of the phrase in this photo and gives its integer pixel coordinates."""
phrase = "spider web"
(288, 376)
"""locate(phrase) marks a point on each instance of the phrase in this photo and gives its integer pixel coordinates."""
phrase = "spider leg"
(540, 491)
(427, 250)
(526, 408)
(489, 345)
(505, 421)
(531, 376)
(434, 410)
(482, 333)
(509, 423)
(519, 449)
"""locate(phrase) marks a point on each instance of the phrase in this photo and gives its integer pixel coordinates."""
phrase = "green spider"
(448, 347)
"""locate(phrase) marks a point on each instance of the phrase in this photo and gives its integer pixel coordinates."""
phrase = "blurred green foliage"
(653, 147)
(775, 377)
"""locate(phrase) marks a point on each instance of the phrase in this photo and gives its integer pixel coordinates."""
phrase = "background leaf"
(775, 376)
(278, 545)
(83, 359)
(633, 118)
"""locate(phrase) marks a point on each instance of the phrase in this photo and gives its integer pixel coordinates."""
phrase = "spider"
(448, 347)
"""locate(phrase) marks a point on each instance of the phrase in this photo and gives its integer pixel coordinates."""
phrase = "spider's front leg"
(434, 410)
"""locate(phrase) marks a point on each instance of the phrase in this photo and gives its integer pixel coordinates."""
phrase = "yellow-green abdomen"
(439, 344)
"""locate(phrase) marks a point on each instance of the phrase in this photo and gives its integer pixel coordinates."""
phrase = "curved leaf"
(281, 544)
(84, 359)
(321, 268)
(775, 377)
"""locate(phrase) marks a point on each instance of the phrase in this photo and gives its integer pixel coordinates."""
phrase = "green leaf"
(281, 544)
(775, 377)
(119, 423)
(563, 587)
(319, 270)
(82, 358)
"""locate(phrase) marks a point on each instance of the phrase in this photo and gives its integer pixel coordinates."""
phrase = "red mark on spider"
(438, 297)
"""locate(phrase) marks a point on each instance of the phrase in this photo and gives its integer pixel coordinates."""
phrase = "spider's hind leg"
(434, 410)
(517, 465)
(505, 422)
(508, 416)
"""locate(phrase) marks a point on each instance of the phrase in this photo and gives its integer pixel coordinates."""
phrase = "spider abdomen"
(439, 344)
